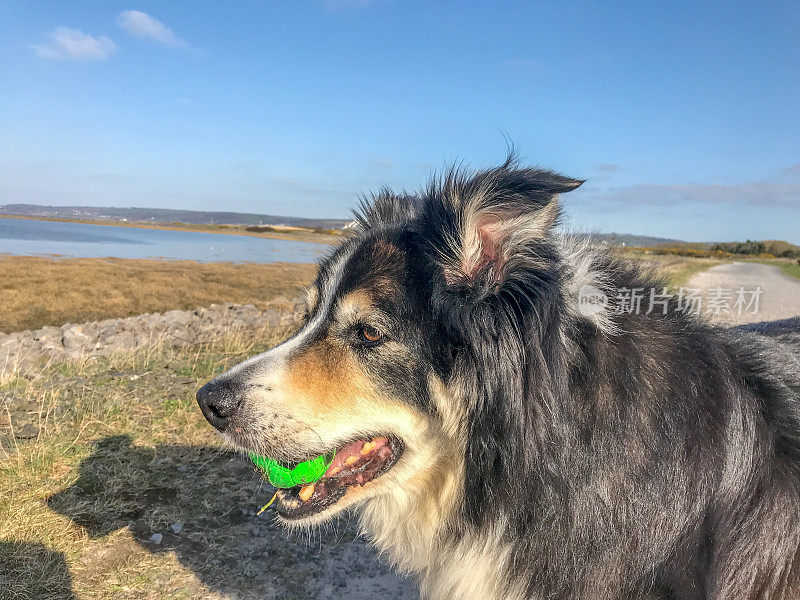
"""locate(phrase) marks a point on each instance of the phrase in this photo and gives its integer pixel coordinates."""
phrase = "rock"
(177, 317)
(50, 338)
(79, 337)
(177, 527)
(272, 317)
(47, 333)
(156, 538)
(26, 432)
(108, 330)
(25, 341)
(156, 323)
(120, 342)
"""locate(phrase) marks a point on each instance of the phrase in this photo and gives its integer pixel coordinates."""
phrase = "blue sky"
(683, 117)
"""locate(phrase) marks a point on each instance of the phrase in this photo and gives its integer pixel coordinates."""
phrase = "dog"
(500, 442)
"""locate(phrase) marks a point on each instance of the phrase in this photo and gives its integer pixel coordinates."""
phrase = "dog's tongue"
(351, 453)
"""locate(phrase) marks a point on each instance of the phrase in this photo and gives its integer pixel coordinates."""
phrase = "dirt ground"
(779, 297)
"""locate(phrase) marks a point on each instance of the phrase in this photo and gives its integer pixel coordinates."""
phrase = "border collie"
(500, 442)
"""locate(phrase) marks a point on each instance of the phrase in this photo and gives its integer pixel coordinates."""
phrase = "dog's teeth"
(351, 460)
(306, 492)
(294, 503)
(367, 448)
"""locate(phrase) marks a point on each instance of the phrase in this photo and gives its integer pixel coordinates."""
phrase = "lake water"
(42, 238)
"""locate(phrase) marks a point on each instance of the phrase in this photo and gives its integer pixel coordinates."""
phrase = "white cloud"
(73, 44)
(145, 27)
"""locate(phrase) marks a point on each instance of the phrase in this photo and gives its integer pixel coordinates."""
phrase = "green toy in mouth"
(315, 484)
(308, 471)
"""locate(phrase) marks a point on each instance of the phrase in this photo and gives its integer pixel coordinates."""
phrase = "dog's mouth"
(354, 464)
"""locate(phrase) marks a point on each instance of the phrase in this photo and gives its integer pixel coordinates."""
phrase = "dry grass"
(677, 269)
(41, 291)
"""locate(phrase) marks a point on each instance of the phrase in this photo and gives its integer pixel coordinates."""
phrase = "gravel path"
(779, 297)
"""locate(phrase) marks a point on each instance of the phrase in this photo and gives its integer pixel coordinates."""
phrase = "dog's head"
(412, 342)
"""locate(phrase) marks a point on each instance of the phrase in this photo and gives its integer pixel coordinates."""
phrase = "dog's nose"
(219, 401)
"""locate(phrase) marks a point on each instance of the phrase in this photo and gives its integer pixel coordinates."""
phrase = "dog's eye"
(369, 334)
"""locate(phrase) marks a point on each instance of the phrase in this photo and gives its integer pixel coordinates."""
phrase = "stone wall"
(23, 349)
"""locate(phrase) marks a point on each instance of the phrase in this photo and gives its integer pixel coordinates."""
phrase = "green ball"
(306, 472)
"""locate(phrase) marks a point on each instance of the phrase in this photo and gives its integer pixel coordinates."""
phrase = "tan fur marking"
(354, 304)
(326, 374)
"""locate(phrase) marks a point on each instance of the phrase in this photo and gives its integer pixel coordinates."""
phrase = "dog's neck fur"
(410, 529)
(414, 528)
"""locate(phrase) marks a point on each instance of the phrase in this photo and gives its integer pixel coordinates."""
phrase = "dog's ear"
(496, 216)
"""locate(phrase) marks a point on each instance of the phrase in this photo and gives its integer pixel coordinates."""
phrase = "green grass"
(791, 269)
(683, 273)
(788, 266)
(677, 270)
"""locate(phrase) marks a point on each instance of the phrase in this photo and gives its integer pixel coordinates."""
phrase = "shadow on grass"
(200, 503)
(30, 571)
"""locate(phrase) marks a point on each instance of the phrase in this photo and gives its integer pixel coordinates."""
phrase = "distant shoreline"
(294, 234)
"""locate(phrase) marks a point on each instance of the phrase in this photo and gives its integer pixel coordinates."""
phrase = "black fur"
(661, 457)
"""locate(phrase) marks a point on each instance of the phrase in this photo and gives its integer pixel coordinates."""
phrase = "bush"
(764, 248)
